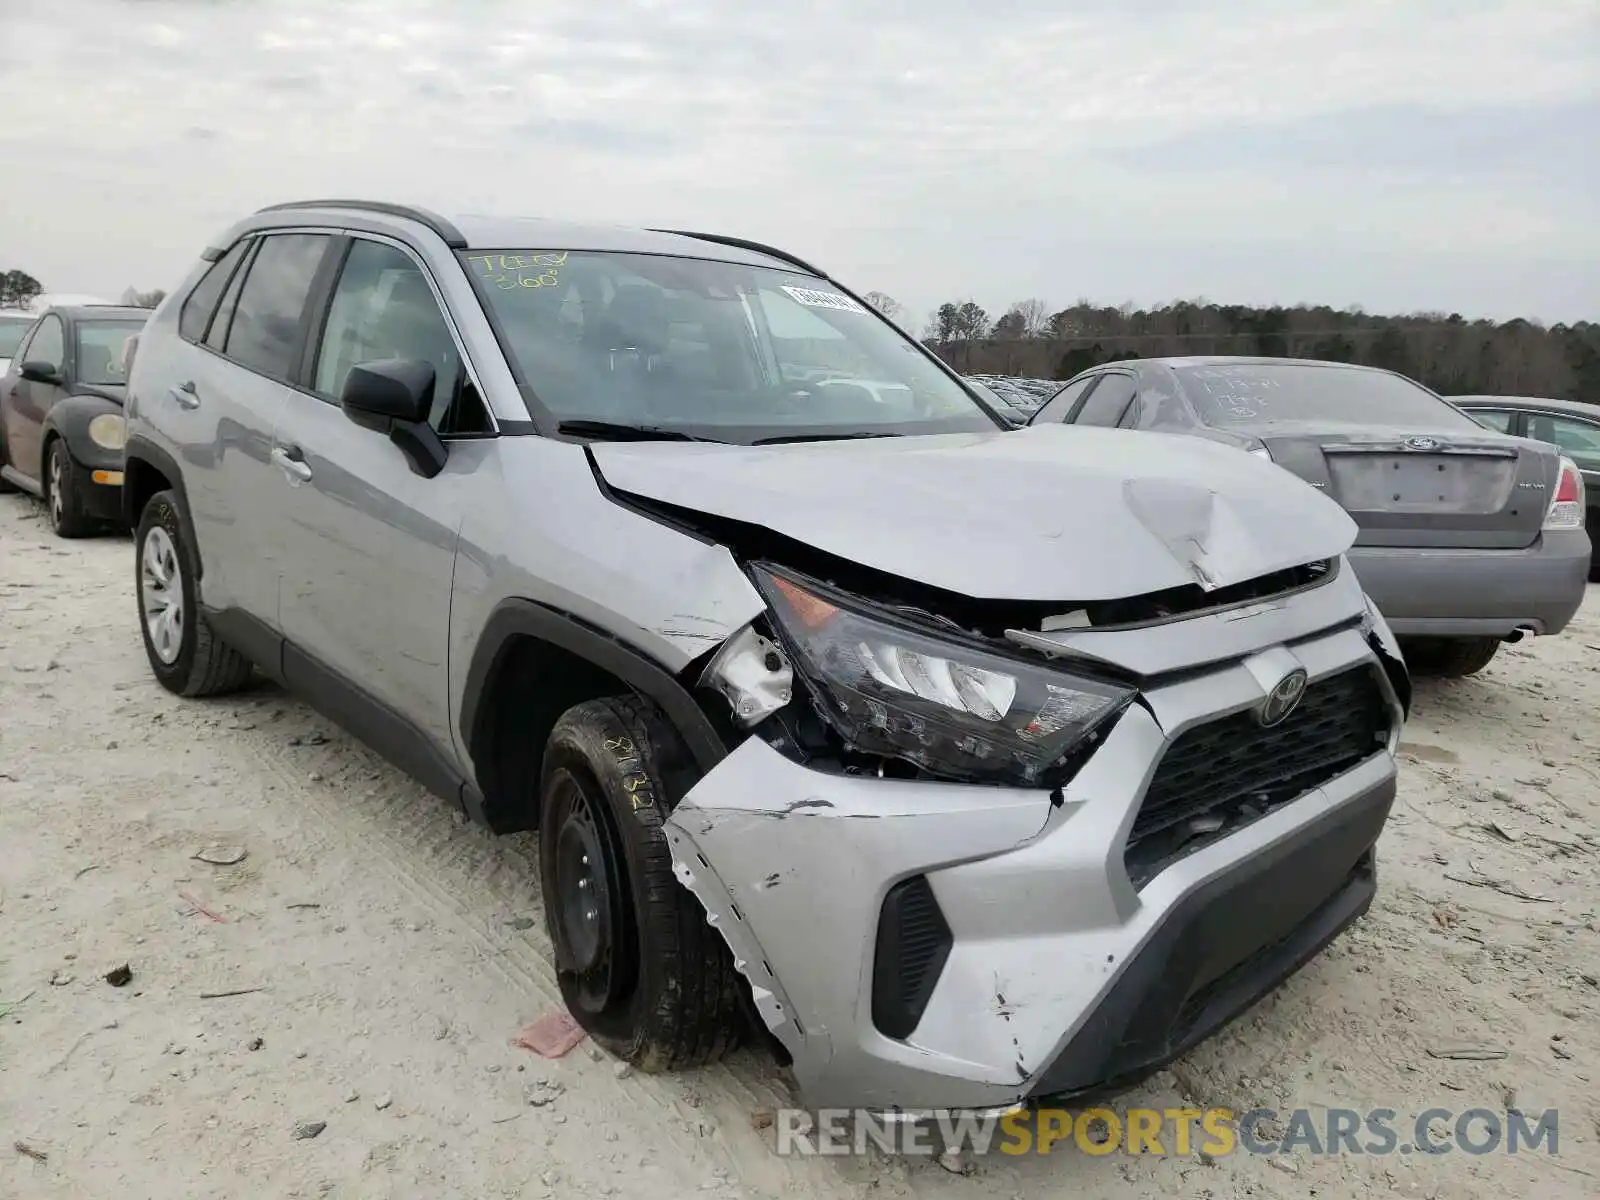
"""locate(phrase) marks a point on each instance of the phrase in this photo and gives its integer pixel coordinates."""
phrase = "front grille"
(1218, 777)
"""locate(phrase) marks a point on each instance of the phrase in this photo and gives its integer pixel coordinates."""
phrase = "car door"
(1061, 405)
(31, 399)
(1108, 402)
(1500, 419)
(10, 380)
(242, 342)
(368, 544)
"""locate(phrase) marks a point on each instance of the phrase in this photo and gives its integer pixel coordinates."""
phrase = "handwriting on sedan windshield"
(508, 272)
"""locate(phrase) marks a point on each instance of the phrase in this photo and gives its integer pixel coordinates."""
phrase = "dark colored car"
(1467, 537)
(1572, 426)
(61, 424)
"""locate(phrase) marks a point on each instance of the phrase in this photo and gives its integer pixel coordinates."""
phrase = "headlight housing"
(109, 431)
(896, 690)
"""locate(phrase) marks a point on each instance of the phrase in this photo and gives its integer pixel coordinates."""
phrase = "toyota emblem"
(1422, 443)
(1282, 699)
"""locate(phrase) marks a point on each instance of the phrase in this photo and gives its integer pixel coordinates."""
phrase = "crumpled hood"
(1054, 512)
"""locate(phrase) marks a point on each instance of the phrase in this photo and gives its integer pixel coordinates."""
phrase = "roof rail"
(422, 216)
(745, 244)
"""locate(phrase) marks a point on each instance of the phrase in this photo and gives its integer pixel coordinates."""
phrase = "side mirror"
(399, 389)
(392, 396)
(40, 372)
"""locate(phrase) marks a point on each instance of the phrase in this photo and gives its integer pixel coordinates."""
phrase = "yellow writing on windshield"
(508, 272)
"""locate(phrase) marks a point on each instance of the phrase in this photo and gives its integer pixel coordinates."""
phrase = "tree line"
(1449, 353)
(18, 289)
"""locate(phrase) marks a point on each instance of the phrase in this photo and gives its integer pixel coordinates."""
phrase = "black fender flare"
(142, 452)
(514, 617)
(68, 420)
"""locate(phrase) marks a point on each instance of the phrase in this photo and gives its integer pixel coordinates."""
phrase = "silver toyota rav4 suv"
(964, 766)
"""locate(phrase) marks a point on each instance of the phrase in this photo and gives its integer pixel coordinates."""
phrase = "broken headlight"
(901, 691)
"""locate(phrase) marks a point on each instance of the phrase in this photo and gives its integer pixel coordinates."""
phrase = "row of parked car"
(964, 765)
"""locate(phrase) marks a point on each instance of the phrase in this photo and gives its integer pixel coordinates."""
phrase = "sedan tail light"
(1566, 509)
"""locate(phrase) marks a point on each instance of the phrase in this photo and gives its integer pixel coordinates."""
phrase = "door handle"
(288, 459)
(184, 395)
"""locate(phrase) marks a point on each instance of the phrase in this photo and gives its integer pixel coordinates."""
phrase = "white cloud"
(929, 148)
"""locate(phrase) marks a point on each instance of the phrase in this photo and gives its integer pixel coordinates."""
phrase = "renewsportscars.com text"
(1214, 1132)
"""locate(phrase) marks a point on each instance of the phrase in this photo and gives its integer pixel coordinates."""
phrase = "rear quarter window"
(202, 301)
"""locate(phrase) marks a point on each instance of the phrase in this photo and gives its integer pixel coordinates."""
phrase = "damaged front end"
(942, 842)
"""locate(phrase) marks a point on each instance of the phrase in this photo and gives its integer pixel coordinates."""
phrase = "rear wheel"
(639, 968)
(1451, 658)
(184, 654)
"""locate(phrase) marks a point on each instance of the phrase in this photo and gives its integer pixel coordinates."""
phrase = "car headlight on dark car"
(109, 431)
(897, 690)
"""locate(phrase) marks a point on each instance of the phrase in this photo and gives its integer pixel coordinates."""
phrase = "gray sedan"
(1469, 537)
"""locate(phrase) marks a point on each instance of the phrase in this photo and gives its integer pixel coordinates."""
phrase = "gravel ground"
(391, 952)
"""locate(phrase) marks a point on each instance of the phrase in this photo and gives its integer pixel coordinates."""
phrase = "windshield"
(101, 346)
(709, 349)
(11, 331)
(1257, 394)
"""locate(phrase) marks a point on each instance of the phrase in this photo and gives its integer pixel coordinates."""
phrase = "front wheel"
(63, 495)
(186, 657)
(639, 968)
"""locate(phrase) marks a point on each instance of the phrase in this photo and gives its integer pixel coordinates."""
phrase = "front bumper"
(1477, 593)
(1060, 972)
(100, 487)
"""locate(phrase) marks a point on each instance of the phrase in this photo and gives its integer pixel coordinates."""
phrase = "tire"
(186, 657)
(1459, 657)
(63, 493)
(644, 975)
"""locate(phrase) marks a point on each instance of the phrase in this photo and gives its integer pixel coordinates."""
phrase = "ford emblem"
(1422, 443)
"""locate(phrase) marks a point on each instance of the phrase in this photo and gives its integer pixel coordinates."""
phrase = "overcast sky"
(1397, 154)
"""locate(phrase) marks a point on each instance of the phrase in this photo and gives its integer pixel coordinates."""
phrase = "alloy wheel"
(58, 479)
(161, 594)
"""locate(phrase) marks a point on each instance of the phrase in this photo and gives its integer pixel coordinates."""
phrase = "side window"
(1492, 418)
(20, 356)
(1109, 401)
(383, 308)
(49, 343)
(217, 335)
(1059, 406)
(1130, 419)
(266, 325)
(1579, 440)
(202, 301)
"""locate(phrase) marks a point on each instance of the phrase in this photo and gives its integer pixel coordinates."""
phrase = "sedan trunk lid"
(1476, 490)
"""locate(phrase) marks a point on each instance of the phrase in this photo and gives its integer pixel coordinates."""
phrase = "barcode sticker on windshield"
(815, 299)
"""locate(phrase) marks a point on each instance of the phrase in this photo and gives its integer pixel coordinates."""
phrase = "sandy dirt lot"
(392, 952)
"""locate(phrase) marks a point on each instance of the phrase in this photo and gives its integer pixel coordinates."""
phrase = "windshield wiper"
(619, 431)
(817, 437)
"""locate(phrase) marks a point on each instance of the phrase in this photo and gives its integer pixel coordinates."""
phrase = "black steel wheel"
(639, 967)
